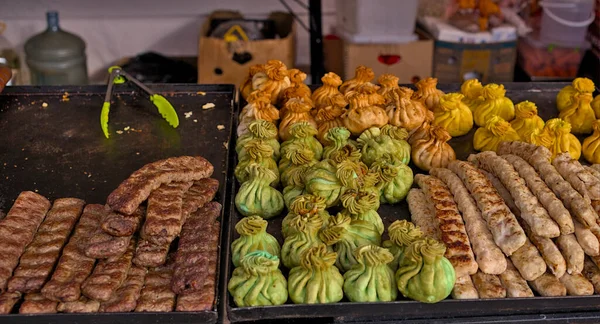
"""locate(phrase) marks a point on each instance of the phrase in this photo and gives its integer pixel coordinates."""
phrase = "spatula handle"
(5, 75)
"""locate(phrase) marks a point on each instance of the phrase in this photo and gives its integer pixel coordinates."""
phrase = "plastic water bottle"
(56, 57)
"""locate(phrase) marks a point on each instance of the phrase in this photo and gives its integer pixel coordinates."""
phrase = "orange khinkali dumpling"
(362, 115)
(403, 111)
(362, 75)
(273, 79)
(428, 92)
(246, 86)
(329, 117)
(259, 107)
(387, 82)
(296, 111)
(324, 95)
(433, 150)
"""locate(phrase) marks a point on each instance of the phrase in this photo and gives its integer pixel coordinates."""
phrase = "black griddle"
(455, 311)
(55, 146)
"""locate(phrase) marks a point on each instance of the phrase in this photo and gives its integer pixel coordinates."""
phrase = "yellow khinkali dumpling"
(496, 130)
(526, 119)
(472, 90)
(596, 106)
(564, 141)
(494, 104)
(591, 145)
(580, 113)
(453, 115)
(564, 98)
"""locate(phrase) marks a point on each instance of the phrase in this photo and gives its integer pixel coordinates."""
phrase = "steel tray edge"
(210, 316)
(397, 310)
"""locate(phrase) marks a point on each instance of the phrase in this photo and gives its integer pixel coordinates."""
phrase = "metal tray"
(543, 94)
(60, 151)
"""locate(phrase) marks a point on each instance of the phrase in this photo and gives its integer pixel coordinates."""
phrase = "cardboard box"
(443, 31)
(216, 62)
(457, 62)
(410, 61)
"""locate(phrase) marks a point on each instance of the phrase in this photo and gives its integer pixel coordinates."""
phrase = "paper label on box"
(475, 64)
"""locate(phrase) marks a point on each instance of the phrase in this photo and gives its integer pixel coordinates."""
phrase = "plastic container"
(376, 21)
(56, 57)
(547, 61)
(565, 22)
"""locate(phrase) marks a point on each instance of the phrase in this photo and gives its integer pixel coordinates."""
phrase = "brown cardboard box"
(215, 55)
(457, 62)
(409, 61)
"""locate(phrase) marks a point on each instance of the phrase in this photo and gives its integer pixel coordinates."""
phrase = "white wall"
(115, 29)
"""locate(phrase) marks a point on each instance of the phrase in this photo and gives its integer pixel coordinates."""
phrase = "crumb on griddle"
(137, 153)
(119, 132)
(127, 128)
(209, 105)
(202, 93)
(44, 105)
(220, 127)
(188, 114)
(226, 145)
(65, 97)
(195, 120)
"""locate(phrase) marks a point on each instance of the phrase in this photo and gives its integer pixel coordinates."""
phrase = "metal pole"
(317, 69)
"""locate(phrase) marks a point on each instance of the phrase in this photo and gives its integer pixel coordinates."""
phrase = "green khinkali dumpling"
(395, 180)
(305, 229)
(399, 135)
(259, 130)
(291, 192)
(374, 144)
(338, 138)
(257, 152)
(256, 196)
(370, 279)
(362, 205)
(345, 235)
(258, 281)
(402, 233)
(303, 132)
(330, 180)
(304, 205)
(253, 237)
(316, 280)
(424, 274)
(296, 160)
